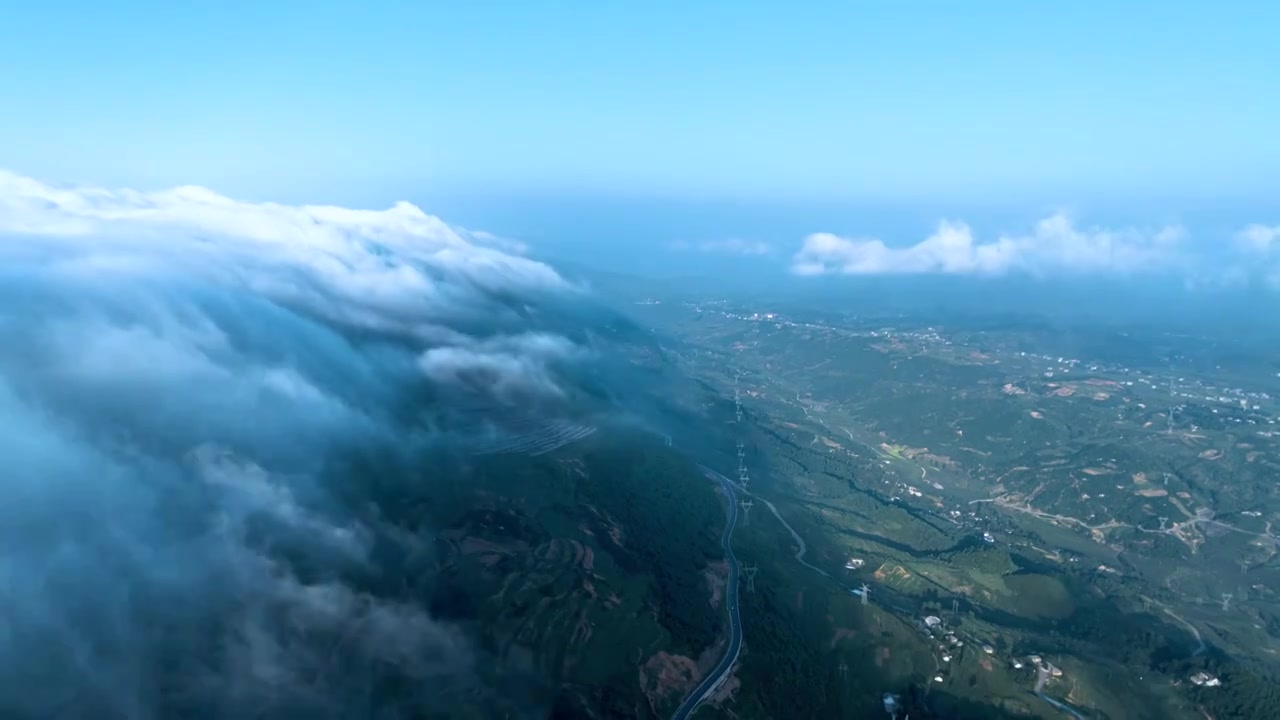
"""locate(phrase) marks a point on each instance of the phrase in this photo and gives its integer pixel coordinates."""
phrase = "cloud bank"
(1055, 244)
(186, 384)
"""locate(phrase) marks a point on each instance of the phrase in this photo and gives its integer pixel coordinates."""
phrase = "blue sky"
(899, 100)
(909, 111)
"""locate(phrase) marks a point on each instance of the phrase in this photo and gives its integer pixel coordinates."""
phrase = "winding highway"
(721, 671)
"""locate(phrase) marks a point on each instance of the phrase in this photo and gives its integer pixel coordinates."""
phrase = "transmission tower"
(750, 572)
(746, 512)
(1226, 601)
(743, 480)
(866, 593)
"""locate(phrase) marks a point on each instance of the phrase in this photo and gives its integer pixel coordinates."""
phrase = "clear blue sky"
(937, 102)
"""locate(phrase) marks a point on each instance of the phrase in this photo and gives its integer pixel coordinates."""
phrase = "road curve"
(801, 548)
(721, 671)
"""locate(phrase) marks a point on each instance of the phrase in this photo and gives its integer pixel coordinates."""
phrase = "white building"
(1204, 679)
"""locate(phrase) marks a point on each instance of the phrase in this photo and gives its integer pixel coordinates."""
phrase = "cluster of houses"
(949, 643)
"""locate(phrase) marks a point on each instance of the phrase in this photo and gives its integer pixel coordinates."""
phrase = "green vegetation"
(673, 518)
(1113, 525)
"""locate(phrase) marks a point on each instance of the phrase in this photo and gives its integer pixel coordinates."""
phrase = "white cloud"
(732, 246)
(508, 367)
(396, 271)
(504, 244)
(1055, 244)
(212, 412)
(1258, 238)
(353, 251)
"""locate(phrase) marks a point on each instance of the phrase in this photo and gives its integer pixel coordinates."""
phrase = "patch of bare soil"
(887, 570)
(666, 677)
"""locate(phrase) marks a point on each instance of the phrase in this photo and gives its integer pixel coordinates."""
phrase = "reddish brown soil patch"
(666, 677)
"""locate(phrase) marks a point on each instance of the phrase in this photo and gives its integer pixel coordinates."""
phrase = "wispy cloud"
(1055, 244)
(1259, 239)
(731, 246)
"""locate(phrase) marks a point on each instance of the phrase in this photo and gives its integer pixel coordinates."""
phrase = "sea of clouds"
(185, 380)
